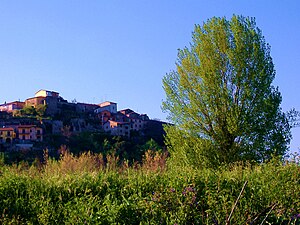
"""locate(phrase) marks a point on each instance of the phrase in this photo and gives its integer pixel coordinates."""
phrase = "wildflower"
(189, 189)
(193, 199)
(172, 190)
(296, 217)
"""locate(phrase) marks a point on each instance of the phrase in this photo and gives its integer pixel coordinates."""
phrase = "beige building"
(30, 132)
(117, 128)
(11, 106)
(44, 97)
(45, 93)
(7, 134)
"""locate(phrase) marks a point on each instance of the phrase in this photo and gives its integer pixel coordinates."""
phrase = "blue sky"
(94, 51)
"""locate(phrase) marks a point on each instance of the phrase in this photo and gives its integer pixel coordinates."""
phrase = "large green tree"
(221, 98)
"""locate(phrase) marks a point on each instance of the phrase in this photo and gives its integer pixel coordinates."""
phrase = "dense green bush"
(85, 190)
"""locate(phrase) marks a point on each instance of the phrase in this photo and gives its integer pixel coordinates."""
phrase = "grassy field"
(90, 190)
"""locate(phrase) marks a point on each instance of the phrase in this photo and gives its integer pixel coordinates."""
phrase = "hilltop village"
(34, 122)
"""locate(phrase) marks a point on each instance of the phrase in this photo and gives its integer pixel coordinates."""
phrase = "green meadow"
(91, 189)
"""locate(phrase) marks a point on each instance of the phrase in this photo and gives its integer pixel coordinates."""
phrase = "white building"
(116, 128)
(108, 106)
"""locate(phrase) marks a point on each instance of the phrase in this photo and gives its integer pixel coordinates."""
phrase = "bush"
(87, 190)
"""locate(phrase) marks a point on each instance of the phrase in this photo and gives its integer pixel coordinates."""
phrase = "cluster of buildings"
(20, 132)
(82, 117)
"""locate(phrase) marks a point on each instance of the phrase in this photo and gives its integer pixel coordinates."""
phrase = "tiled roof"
(9, 103)
(26, 126)
(7, 128)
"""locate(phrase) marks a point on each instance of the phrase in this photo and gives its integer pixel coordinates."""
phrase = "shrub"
(85, 190)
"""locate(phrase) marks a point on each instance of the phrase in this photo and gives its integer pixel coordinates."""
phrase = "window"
(23, 131)
(8, 133)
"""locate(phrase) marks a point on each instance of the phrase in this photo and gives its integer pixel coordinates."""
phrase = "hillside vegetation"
(222, 159)
(92, 190)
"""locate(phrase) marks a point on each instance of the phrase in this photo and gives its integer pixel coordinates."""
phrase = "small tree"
(28, 111)
(40, 111)
(221, 97)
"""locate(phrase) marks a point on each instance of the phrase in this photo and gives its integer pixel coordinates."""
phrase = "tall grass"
(92, 189)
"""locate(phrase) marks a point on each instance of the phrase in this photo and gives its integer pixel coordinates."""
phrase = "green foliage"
(126, 149)
(40, 111)
(2, 158)
(30, 111)
(221, 97)
(151, 145)
(131, 149)
(78, 190)
(293, 117)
